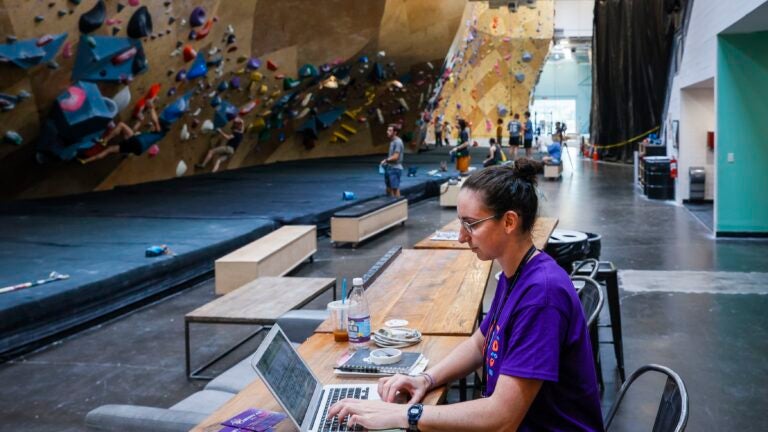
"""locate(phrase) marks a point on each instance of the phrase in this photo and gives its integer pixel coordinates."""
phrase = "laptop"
(297, 389)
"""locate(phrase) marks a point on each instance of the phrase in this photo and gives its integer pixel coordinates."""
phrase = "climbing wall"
(496, 61)
(310, 79)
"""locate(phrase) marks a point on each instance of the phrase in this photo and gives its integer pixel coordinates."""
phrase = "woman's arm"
(502, 411)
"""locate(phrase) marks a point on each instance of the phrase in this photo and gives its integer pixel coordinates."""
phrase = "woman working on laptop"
(533, 345)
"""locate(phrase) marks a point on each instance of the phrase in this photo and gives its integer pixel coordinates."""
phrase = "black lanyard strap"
(496, 314)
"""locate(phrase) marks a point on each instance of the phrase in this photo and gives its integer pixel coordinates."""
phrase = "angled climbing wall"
(495, 63)
(310, 79)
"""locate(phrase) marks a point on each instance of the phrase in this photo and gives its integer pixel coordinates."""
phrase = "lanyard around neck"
(497, 313)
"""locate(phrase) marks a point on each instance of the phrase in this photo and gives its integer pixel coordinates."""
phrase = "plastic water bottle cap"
(357, 281)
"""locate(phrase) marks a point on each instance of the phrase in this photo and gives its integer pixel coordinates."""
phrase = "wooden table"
(260, 302)
(542, 229)
(322, 353)
(439, 292)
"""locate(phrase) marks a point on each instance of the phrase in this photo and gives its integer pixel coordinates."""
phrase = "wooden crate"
(356, 229)
(275, 254)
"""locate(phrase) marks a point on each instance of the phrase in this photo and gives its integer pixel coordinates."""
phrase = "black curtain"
(632, 45)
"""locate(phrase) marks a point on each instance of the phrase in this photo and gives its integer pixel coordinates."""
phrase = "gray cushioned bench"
(179, 418)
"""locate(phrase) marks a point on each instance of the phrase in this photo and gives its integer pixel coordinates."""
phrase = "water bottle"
(359, 318)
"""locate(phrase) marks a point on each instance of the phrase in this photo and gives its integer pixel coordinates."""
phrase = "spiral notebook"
(356, 363)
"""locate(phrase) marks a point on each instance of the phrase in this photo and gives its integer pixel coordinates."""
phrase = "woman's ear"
(511, 221)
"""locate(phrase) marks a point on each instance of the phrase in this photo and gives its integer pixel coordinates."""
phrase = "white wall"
(694, 107)
(697, 116)
(708, 18)
(574, 17)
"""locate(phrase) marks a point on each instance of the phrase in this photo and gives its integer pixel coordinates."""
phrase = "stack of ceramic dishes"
(396, 335)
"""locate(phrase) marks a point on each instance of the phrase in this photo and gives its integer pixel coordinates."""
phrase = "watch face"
(413, 410)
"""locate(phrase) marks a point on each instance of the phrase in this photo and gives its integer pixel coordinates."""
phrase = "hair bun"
(525, 169)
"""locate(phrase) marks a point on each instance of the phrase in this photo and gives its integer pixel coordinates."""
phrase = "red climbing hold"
(271, 66)
(189, 53)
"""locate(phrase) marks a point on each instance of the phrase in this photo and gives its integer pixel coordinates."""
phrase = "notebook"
(297, 389)
(356, 363)
(445, 236)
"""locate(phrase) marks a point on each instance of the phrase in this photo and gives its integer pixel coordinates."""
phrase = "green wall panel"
(742, 130)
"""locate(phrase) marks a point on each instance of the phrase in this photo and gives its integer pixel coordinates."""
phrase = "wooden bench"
(552, 171)
(449, 192)
(260, 302)
(275, 254)
(364, 220)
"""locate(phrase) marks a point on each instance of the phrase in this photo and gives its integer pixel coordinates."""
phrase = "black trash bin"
(658, 182)
(595, 244)
(567, 246)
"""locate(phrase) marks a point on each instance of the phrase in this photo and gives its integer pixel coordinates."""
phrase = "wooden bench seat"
(449, 192)
(275, 254)
(552, 171)
(364, 220)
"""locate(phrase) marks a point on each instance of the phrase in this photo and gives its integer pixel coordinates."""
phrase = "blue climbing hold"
(199, 68)
(108, 59)
(32, 52)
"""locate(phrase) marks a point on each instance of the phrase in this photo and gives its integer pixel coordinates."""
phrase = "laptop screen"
(289, 378)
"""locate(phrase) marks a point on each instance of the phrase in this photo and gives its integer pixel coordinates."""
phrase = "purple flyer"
(253, 420)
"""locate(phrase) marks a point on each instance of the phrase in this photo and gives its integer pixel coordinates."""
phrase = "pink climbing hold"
(134, 3)
(66, 52)
(74, 101)
(154, 150)
(45, 40)
(124, 56)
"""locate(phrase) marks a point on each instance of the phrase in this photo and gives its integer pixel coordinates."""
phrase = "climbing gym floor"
(99, 239)
(688, 301)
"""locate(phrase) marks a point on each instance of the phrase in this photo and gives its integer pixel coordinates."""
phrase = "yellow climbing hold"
(340, 136)
(349, 129)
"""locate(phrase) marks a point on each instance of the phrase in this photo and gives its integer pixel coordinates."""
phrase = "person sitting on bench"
(554, 155)
(227, 150)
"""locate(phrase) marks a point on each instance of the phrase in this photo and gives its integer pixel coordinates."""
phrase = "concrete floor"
(714, 340)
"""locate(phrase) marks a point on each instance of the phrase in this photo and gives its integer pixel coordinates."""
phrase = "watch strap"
(414, 414)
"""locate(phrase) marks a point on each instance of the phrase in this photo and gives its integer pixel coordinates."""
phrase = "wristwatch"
(414, 414)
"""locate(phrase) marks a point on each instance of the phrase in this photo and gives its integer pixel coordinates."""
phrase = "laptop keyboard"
(337, 394)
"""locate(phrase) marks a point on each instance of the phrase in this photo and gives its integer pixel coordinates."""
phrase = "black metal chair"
(672, 415)
(591, 297)
(592, 300)
(583, 265)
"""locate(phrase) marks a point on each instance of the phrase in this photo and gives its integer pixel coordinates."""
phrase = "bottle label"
(359, 329)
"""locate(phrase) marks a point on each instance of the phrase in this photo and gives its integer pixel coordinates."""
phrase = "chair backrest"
(672, 415)
(595, 267)
(591, 297)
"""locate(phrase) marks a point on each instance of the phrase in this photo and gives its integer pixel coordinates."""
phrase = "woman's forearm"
(460, 362)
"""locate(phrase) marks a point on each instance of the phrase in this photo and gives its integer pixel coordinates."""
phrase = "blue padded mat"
(99, 238)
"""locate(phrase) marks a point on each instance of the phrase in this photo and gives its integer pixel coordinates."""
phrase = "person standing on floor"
(393, 164)
(514, 128)
(499, 131)
(533, 346)
(447, 132)
(461, 151)
(528, 135)
(439, 131)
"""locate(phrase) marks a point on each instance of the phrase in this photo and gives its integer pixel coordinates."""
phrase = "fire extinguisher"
(673, 168)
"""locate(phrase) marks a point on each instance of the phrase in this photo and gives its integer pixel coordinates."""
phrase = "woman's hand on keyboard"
(370, 414)
(392, 389)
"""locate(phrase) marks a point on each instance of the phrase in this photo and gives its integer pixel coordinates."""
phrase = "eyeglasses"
(470, 226)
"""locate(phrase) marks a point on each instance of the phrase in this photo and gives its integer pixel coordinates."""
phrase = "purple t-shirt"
(541, 334)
